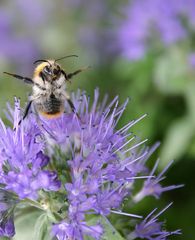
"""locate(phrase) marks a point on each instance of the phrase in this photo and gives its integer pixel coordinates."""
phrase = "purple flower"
(22, 159)
(103, 162)
(65, 231)
(150, 228)
(153, 187)
(89, 169)
(91, 31)
(34, 12)
(160, 20)
(12, 45)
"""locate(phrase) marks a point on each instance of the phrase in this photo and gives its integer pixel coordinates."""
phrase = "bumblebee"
(48, 88)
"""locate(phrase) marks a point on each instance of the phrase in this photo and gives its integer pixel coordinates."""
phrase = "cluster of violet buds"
(148, 22)
(77, 170)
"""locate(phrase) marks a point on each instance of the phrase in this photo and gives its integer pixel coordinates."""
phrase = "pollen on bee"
(51, 116)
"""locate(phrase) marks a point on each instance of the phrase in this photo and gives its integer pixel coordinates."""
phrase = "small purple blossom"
(76, 167)
(150, 228)
(146, 20)
(153, 187)
(65, 231)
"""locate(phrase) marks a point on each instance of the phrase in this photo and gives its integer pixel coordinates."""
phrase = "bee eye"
(56, 71)
(47, 69)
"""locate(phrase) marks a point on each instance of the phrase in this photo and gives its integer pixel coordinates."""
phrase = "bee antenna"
(66, 57)
(41, 60)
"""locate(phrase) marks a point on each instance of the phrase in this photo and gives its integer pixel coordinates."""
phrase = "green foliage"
(109, 231)
(177, 140)
(28, 219)
(41, 229)
(171, 71)
(38, 226)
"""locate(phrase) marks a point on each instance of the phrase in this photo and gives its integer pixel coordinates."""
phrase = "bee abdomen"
(52, 105)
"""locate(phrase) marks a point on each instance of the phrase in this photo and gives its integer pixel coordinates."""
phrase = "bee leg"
(72, 107)
(26, 111)
(62, 71)
(70, 75)
(25, 79)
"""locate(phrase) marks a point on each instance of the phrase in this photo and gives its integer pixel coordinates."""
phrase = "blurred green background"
(140, 49)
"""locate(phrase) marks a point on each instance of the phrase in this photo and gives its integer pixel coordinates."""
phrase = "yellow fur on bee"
(39, 68)
(51, 116)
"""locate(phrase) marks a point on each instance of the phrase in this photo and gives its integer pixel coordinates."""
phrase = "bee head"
(48, 69)
(52, 70)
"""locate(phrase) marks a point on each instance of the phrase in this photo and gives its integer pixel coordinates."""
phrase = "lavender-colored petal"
(75, 231)
(7, 228)
(152, 185)
(150, 228)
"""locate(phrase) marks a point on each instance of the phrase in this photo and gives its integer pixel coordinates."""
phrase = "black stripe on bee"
(52, 105)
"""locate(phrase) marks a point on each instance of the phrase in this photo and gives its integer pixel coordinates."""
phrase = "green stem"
(33, 203)
(53, 216)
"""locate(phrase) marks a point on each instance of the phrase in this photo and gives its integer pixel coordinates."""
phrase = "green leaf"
(41, 228)
(171, 72)
(190, 100)
(109, 231)
(176, 141)
(24, 223)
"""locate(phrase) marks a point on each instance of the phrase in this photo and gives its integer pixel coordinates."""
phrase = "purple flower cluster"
(92, 30)
(169, 21)
(22, 159)
(11, 44)
(16, 24)
(93, 165)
